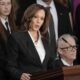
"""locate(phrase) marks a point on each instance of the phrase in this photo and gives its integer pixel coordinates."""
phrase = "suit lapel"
(3, 32)
(45, 44)
(2, 27)
(32, 50)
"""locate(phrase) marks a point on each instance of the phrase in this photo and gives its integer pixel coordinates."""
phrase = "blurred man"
(67, 49)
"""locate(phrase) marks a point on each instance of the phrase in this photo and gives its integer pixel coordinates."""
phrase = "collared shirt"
(3, 22)
(65, 63)
(39, 47)
(54, 14)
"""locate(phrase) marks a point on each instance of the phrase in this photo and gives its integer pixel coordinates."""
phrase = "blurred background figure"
(67, 50)
(63, 2)
(7, 26)
(77, 30)
(75, 3)
(68, 5)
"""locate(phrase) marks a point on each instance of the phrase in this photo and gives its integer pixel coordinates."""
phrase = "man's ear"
(59, 50)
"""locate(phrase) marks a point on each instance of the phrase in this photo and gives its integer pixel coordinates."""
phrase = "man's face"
(68, 51)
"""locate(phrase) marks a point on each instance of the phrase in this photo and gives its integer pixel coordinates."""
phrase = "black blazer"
(3, 41)
(76, 30)
(77, 22)
(23, 57)
(58, 63)
(64, 25)
(3, 44)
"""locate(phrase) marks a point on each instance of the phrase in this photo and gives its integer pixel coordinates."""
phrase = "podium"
(65, 73)
(72, 73)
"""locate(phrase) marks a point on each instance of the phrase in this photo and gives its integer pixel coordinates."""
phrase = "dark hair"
(30, 12)
(11, 16)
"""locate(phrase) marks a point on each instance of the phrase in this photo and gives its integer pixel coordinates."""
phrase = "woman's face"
(5, 7)
(37, 20)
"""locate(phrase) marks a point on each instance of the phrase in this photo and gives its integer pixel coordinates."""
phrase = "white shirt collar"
(3, 21)
(32, 37)
(65, 63)
(39, 47)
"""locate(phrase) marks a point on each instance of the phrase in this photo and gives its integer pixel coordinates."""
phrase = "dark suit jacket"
(58, 63)
(76, 30)
(23, 57)
(3, 44)
(64, 25)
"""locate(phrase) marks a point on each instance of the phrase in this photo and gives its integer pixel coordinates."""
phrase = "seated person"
(67, 49)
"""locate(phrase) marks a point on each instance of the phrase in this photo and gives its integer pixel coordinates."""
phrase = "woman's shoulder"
(19, 34)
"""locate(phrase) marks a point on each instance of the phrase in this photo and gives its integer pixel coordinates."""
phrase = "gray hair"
(64, 38)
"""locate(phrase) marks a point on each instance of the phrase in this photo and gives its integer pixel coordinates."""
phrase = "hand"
(25, 76)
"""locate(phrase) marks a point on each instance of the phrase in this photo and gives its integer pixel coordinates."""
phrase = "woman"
(6, 16)
(28, 51)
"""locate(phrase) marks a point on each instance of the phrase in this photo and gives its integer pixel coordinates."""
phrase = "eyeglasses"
(70, 48)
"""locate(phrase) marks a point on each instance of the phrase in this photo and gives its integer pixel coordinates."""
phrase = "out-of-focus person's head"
(67, 48)
(63, 2)
(5, 8)
(36, 15)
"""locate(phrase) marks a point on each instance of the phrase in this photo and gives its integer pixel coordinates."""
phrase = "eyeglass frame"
(70, 48)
